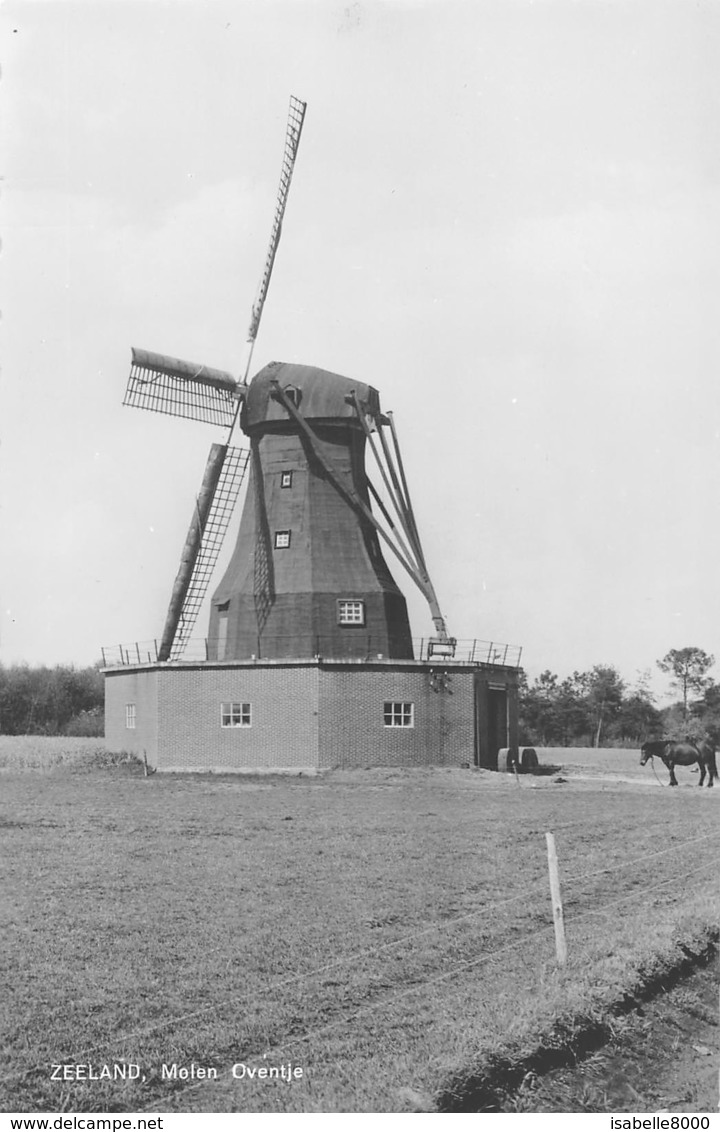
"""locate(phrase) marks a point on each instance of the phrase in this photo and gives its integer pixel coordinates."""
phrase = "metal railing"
(471, 651)
(270, 647)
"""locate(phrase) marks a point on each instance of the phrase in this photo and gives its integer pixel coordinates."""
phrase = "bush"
(89, 724)
(689, 729)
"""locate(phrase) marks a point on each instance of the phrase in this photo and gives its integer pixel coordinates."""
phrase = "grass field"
(388, 932)
(53, 752)
(614, 762)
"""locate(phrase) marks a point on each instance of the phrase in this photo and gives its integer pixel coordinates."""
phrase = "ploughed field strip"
(661, 1057)
(379, 930)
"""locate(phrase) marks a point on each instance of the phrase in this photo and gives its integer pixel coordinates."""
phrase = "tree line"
(63, 700)
(599, 708)
(594, 708)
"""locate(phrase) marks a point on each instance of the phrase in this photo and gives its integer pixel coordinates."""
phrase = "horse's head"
(646, 752)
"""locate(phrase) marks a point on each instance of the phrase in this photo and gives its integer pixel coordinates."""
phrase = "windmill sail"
(296, 117)
(181, 389)
(169, 385)
(222, 481)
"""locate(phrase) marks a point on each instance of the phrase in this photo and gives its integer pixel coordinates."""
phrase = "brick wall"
(138, 687)
(351, 705)
(283, 731)
(305, 715)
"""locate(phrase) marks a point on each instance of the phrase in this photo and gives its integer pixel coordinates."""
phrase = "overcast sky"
(504, 215)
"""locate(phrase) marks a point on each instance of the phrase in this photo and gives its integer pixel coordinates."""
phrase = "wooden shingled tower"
(308, 576)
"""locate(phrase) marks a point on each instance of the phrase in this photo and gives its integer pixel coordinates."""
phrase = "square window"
(286, 479)
(130, 715)
(351, 611)
(399, 714)
(235, 715)
(282, 540)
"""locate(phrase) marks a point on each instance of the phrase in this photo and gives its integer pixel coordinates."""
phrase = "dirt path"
(664, 1058)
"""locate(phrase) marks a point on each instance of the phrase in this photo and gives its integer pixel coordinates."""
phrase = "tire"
(529, 760)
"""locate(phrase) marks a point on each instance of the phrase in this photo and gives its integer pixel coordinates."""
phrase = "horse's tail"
(707, 748)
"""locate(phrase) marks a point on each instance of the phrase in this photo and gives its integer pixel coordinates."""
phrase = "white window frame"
(282, 535)
(344, 612)
(286, 479)
(399, 713)
(235, 713)
(130, 716)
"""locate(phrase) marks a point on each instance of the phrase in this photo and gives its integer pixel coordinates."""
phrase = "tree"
(595, 707)
(704, 714)
(604, 696)
(571, 710)
(46, 701)
(688, 667)
(638, 719)
(537, 709)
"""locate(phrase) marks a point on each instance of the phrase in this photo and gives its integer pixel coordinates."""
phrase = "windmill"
(307, 574)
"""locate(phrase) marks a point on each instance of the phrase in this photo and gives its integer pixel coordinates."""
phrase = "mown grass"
(623, 762)
(390, 932)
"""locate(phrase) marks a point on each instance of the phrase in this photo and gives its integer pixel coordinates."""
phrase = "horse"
(677, 753)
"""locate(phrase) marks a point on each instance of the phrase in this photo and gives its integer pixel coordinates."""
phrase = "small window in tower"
(399, 714)
(282, 540)
(235, 715)
(286, 479)
(130, 715)
(351, 611)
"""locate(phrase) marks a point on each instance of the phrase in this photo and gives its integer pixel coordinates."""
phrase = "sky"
(504, 216)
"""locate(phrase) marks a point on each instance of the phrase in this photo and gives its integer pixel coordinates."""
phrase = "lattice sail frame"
(178, 388)
(296, 117)
(218, 520)
(181, 389)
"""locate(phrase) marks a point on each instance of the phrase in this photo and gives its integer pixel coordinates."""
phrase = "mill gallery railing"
(198, 649)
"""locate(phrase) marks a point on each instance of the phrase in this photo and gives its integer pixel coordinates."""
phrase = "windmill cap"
(318, 394)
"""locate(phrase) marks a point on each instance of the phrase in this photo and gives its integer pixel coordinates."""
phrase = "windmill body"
(308, 662)
(307, 576)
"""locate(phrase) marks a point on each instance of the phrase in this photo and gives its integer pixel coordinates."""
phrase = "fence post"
(560, 945)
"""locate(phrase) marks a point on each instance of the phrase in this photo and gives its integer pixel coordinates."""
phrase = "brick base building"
(311, 715)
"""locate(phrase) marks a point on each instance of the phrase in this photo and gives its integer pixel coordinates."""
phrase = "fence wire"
(379, 949)
(462, 966)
